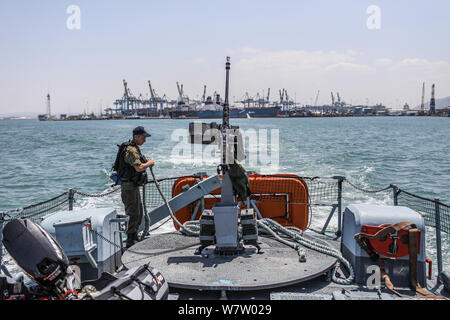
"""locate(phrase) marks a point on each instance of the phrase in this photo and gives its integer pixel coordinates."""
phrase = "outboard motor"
(42, 258)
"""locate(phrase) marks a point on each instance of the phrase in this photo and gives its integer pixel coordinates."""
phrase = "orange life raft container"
(283, 198)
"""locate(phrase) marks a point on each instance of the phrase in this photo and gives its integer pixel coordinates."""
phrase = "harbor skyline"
(283, 45)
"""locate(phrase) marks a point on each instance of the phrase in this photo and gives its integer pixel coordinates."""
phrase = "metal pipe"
(329, 218)
(339, 199)
(1, 243)
(395, 194)
(226, 114)
(146, 216)
(3, 268)
(71, 199)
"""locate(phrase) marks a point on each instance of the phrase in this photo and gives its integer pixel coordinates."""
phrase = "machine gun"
(220, 226)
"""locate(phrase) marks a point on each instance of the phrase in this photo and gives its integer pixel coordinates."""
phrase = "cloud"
(351, 67)
(292, 60)
(420, 65)
(293, 63)
(198, 60)
(383, 62)
(355, 75)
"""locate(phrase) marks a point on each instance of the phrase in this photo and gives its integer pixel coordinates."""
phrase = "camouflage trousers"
(131, 198)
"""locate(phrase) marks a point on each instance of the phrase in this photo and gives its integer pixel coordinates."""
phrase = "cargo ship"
(253, 112)
(182, 111)
(213, 110)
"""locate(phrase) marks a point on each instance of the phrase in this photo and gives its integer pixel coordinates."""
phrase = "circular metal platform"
(276, 266)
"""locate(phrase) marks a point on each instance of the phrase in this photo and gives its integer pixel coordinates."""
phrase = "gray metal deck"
(276, 266)
(276, 274)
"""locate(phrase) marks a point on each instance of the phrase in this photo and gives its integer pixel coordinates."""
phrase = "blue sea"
(43, 159)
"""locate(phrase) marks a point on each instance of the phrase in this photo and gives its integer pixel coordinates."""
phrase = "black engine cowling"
(35, 251)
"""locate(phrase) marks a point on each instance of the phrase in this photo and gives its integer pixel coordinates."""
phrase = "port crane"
(422, 106)
(204, 94)
(288, 101)
(247, 100)
(260, 100)
(432, 102)
(152, 92)
(126, 89)
(317, 97)
(129, 105)
(127, 102)
(281, 99)
(155, 100)
(180, 90)
(182, 98)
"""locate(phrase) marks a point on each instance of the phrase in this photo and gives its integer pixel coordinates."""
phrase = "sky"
(368, 55)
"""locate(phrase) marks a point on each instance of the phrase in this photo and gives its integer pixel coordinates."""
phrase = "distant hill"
(441, 103)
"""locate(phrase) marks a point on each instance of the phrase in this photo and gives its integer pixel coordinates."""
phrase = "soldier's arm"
(144, 166)
(132, 158)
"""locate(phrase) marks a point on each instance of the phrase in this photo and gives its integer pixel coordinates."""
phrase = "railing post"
(3, 268)
(438, 236)
(71, 198)
(1, 243)
(146, 216)
(339, 204)
(395, 194)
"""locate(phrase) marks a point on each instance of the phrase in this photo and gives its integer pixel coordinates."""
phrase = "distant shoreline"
(197, 118)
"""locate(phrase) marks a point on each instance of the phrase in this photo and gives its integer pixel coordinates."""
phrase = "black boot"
(131, 239)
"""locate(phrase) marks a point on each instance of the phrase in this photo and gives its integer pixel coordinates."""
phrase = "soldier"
(131, 166)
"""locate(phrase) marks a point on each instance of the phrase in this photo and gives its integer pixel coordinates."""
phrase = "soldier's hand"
(150, 163)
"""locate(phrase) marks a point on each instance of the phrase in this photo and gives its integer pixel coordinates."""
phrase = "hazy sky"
(303, 46)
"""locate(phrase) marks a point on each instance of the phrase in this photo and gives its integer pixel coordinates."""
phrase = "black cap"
(140, 131)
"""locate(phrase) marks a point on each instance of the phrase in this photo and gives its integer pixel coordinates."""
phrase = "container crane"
(422, 106)
(432, 102)
(126, 89)
(180, 93)
(204, 94)
(317, 97)
(152, 93)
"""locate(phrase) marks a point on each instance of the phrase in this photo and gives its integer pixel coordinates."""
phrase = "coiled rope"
(296, 235)
(273, 228)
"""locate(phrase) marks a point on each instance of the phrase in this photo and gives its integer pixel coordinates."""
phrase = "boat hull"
(241, 113)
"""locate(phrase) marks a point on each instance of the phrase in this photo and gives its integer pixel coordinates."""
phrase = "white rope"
(297, 235)
(191, 228)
